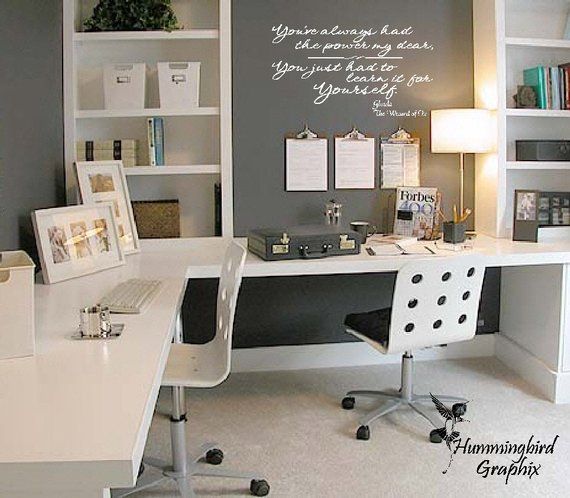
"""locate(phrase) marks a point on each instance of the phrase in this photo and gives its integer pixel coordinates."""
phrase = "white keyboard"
(131, 296)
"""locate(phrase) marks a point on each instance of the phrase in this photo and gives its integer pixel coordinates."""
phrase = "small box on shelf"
(124, 86)
(179, 84)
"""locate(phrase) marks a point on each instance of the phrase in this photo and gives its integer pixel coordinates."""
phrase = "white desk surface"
(79, 411)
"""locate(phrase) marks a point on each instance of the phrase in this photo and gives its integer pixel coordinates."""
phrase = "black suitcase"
(303, 242)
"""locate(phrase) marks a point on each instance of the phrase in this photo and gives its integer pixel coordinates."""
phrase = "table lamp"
(462, 131)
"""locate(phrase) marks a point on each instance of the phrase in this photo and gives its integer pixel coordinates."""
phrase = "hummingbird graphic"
(448, 433)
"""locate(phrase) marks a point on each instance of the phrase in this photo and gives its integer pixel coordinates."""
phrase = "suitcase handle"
(305, 254)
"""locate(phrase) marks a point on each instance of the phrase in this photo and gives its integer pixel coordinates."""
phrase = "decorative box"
(179, 84)
(157, 219)
(124, 86)
(16, 305)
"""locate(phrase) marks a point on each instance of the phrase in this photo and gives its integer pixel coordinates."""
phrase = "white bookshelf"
(510, 36)
(198, 149)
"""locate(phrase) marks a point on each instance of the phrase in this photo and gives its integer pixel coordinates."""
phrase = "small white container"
(124, 86)
(179, 84)
(16, 305)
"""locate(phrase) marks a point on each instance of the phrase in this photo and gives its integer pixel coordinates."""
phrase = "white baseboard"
(555, 386)
(347, 354)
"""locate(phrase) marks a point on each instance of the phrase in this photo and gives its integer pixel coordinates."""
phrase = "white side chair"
(202, 366)
(435, 302)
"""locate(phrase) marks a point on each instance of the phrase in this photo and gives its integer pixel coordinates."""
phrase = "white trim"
(226, 116)
(555, 386)
(348, 354)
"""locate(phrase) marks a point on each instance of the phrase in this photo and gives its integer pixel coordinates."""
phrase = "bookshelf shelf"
(138, 113)
(538, 113)
(195, 169)
(511, 36)
(197, 140)
(537, 165)
(189, 34)
(537, 42)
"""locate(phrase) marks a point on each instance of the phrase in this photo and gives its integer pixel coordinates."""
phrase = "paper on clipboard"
(400, 165)
(354, 162)
(306, 164)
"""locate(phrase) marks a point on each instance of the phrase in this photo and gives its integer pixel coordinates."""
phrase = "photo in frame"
(76, 241)
(105, 181)
(526, 215)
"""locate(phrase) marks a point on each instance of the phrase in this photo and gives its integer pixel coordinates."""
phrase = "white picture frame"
(76, 241)
(105, 181)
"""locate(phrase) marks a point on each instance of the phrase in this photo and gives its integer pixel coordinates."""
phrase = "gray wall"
(31, 122)
(311, 310)
(266, 110)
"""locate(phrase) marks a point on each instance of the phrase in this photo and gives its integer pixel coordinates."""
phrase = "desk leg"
(535, 309)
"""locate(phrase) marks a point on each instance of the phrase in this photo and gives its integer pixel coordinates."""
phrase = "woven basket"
(157, 219)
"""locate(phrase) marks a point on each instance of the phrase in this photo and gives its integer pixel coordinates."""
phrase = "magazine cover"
(416, 212)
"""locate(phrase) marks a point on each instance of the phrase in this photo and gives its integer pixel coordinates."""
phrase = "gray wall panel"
(31, 116)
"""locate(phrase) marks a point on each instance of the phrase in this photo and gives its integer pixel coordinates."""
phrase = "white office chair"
(435, 302)
(204, 365)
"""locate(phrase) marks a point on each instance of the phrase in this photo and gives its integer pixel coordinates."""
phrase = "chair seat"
(373, 325)
(194, 365)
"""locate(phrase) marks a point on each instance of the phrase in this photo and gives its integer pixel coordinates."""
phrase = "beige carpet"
(289, 426)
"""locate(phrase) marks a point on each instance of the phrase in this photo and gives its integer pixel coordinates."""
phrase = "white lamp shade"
(470, 131)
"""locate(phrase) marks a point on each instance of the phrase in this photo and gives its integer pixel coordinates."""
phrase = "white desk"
(74, 418)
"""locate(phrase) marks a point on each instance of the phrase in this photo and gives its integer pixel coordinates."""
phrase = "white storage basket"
(179, 84)
(16, 305)
(125, 86)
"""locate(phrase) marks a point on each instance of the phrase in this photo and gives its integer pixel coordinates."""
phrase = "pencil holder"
(454, 233)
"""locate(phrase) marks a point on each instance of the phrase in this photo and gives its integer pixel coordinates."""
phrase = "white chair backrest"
(435, 302)
(228, 290)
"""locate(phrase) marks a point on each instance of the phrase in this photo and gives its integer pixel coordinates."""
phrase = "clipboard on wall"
(355, 161)
(306, 162)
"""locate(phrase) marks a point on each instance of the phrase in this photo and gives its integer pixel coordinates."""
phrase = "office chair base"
(395, 400)
(185, 466)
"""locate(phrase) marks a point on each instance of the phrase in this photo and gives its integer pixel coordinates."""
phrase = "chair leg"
(386, 408)
(227, 473)
(443, 398)
(423, 412)
(197, 455)
(184, 487)
(374, 394)
(145, 481)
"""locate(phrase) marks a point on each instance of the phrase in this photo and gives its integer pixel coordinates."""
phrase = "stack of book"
(155, 131)
(551, 84)
(108, 150)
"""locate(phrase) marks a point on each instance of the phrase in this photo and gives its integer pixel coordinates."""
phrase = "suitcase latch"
(346, 244)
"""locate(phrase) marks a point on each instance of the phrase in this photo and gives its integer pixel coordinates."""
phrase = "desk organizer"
(124, 86)
(16, 305)
(179, 84)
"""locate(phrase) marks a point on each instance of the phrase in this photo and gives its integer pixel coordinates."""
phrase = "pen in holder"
(95, 323)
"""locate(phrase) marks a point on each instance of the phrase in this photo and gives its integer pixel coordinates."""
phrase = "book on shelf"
(551, 85)
(108, 150)
(217, 209)
(155, 132)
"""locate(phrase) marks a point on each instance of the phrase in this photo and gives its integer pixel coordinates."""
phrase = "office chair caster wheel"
(435, 436)
(259, 487)
(348, 403)
(215, 456)
(363, 433)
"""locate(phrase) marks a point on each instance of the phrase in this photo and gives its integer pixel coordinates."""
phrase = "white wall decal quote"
(368, 60)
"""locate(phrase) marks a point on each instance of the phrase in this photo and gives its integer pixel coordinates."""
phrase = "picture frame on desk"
(76, 241)
(526, 215)
(105, 181)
